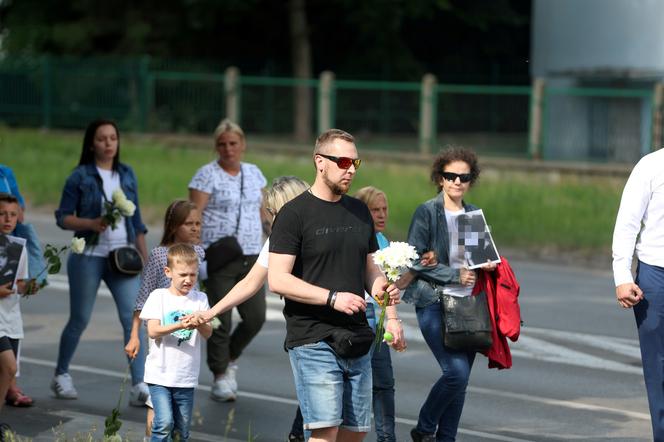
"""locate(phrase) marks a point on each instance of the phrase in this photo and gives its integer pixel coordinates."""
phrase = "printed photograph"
(475, 239)
(10, 255)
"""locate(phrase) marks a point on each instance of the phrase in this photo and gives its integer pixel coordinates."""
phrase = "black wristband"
(329, 297)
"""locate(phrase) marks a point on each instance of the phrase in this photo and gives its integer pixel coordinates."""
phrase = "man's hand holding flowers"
(392, 327)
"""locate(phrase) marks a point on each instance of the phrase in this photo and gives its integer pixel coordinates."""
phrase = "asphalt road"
(576, 373)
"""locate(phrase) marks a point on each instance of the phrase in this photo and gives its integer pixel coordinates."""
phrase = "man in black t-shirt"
(320, 261)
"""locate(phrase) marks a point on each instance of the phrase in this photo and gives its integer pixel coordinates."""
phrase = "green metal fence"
(148, 95)
(597, 124)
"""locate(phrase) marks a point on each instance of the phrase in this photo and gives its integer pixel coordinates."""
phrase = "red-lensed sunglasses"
(343, 162)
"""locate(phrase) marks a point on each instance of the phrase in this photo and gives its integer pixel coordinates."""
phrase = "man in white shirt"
(640, 227)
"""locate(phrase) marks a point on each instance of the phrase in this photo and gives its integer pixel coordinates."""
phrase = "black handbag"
(351, 342)
(224, 250)
(126, 260)
(221, 252)
(466, 322)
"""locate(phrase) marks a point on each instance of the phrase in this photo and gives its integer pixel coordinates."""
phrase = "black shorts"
(7, 343)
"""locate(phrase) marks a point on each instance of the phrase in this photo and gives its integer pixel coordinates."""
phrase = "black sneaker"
(421, 437)
(295, 437)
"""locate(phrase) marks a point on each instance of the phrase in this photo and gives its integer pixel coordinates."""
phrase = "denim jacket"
(82, 196)
(428, 231)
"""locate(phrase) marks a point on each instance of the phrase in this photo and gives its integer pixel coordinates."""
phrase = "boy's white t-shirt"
(173, 360)
(11, 323)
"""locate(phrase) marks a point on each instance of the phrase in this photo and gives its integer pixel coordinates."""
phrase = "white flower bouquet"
(114, 210)
(117, 208)
(394, 260)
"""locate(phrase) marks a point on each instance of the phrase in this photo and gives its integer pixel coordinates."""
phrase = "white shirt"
(220, 216)
(641, 215)
(263, 256)
(109, 239)
(11, 323)
(173, 360)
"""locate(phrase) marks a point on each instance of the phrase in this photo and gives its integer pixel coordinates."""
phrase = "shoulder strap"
(239, 212)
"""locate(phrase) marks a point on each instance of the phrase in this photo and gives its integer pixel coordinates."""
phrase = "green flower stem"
(113, 423)
(380, 325)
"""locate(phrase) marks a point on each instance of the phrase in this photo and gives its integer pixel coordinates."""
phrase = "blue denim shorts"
(332, 391)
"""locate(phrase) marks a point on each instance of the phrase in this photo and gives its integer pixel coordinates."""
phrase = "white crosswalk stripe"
(618, 354)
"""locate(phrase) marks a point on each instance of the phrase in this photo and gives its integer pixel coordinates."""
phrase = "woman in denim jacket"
(98, 174)
(454, 171)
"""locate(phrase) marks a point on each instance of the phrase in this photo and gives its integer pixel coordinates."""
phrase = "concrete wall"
(598, 35)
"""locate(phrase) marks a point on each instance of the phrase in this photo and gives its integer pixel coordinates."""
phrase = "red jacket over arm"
(502, 290)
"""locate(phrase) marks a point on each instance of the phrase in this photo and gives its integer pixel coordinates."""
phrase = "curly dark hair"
(449, 155)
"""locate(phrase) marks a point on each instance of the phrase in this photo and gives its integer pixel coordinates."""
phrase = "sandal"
(16, 398)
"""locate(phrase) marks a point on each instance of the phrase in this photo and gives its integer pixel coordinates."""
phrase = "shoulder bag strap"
(239, 212)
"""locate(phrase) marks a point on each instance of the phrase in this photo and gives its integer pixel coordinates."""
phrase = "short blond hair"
(368, 194)
(181, 254)
(283, 189)
(327, 137)
(226, 125)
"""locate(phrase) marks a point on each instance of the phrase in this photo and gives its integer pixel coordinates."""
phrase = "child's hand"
(6, 290)
(132, 347)
(196, 318)
(28, 287)
(188, 323)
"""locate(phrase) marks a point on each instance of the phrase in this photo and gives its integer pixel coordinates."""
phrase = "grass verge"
(526, 211)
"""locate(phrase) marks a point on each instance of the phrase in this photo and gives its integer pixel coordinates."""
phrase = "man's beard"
(336, 188)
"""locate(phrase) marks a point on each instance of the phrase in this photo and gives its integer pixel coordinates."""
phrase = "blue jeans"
(443, 406)
(383, 386)
(650, 323)
(332, 391)
(172, 412)
(85, 273)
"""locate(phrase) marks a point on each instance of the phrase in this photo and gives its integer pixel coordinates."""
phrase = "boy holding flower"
(11, 324)
(173, 361)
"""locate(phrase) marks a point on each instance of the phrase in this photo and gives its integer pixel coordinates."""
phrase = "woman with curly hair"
(453, 172)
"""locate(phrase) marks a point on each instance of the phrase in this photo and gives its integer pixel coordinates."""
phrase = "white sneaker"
(139, 395)
(63, 387)
(221, 390)
(231, 375)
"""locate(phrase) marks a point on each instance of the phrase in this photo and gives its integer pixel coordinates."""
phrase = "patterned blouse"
(153, 276)
(220, 217)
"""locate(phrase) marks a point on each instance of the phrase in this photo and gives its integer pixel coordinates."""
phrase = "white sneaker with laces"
(231, 375)
(221, 390)
(63, 387)
(139, 395)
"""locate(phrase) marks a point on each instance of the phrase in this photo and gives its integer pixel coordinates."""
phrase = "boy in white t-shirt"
(173, 361)
(14, 279)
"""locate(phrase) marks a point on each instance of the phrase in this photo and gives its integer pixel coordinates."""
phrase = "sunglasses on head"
(343, 162)
(463, 177)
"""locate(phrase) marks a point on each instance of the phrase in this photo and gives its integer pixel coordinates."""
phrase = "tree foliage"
(388, 39)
